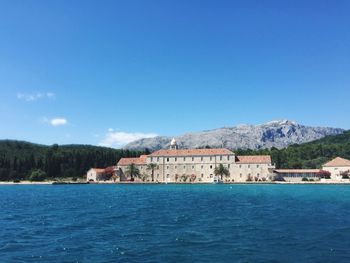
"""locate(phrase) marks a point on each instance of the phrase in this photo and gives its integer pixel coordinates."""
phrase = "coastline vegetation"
(26, 161)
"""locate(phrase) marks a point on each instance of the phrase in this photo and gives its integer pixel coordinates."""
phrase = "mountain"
(278, 134)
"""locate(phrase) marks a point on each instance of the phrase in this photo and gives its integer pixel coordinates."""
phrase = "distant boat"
(217, 180)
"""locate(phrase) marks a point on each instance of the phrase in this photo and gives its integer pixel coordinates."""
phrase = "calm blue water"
(175, 223)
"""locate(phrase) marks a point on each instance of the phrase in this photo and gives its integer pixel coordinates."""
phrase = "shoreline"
(158, 183)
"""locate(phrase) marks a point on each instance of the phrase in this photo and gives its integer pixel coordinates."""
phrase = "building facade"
(95, 174)
(298, 175)
(338, 168)
(197, 165)
(102, 174)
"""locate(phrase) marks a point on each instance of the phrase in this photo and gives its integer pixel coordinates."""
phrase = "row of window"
(202, 167)
(211, 175)
(192, 158)
(211, 166)
(257, 166)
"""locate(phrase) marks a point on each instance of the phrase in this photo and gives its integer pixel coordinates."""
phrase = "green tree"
(132, 171)
(221, 170)
(143, 177)
(151, 167)
(37, 175)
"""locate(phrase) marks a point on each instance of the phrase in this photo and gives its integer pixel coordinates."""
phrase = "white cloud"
(58, 121)
(50, 94)
(35, 96)
(119, 138)
(55, 121)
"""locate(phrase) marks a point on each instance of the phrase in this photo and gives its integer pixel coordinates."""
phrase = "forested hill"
(18, 159)
(308, 155)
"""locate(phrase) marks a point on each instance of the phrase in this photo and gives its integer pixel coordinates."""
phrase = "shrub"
(16, 181)
(304, 179)
(37, 175)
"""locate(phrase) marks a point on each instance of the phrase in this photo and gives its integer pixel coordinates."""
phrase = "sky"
(109, 72)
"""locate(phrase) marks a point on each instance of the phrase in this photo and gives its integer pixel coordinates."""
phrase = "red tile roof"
(296, 171)
(192, 152)
(139, 160)
(254, 159)
(99, 170)
(337, 162)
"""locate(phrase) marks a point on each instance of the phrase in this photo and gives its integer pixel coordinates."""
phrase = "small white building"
(95, 175)
(337, 167)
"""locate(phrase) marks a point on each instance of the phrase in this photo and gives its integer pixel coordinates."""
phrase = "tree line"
(19, 159)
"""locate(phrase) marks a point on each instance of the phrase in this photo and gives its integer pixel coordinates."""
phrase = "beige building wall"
(200, 169)
(189, 168)
(336, 167)
(91, 175)
(335, 171)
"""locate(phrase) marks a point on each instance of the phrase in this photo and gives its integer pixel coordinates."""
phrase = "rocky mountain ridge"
(279, 134)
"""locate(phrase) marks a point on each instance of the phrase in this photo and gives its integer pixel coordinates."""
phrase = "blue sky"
(107, 72)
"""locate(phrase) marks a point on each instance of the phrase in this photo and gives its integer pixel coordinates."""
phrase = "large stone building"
(197, 165)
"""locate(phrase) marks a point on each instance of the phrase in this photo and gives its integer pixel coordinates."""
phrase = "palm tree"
(152, 167)
(221, 170)
(132, 171)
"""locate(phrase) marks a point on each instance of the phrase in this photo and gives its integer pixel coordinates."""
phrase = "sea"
(175, 223)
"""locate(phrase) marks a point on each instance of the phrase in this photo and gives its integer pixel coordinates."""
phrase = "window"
(228, 157)
(157, 159)
(202, 175)
(201, 159)
(240, 175)
(167, 176)
(175, 167)
(184, 167)
(201, 166)
(257, 166)
(220, 158)
(167, 167)
(211, 167)
(167, 159)
(257, 174)
(175, 159)
(248, 165)
(211, 175)
(151, 159)
(184, 159)
(228, 166)
(192, 159)
(240, 166)
(211, 158)
(192, 167)
(157, 175)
